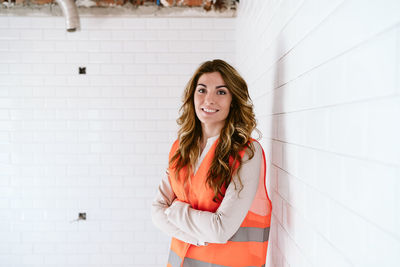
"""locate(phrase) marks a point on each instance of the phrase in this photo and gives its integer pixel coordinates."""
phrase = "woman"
(214, 202)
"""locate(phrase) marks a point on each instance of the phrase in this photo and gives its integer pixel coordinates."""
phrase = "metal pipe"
(70, 12)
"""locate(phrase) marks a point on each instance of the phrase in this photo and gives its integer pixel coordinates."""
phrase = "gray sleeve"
(164, 198)
(221, 225)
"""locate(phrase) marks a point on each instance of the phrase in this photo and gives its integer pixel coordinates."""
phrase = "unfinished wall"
(324, 76)
(205, 4)
(95, 142)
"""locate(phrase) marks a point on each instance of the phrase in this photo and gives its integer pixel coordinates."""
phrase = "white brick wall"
(95, 143)
(324, 76)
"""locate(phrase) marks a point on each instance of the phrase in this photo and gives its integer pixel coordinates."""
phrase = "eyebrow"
(219, 86)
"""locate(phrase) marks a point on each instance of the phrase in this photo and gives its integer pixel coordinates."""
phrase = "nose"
(209, 99)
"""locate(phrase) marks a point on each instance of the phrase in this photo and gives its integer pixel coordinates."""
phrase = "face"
(212, 100)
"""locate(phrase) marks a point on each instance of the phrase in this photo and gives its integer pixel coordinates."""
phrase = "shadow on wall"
(277, 131)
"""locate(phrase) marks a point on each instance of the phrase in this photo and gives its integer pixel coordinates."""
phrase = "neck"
(210, 130)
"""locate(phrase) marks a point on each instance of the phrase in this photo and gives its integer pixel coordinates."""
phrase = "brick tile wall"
(324, 76)
(95, 143)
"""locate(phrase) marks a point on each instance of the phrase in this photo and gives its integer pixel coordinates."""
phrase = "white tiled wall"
(95, 143)
(324, 76)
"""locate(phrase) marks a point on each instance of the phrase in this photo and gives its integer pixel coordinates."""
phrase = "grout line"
(390, 165)
(366, 100)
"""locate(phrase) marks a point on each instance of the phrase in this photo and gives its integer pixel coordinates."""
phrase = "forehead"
(214, 78)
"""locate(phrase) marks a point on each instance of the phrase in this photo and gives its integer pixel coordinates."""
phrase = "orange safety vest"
(247, 247)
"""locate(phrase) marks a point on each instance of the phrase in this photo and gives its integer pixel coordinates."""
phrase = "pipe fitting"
(70, 12)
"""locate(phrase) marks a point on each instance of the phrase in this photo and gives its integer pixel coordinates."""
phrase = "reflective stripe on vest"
(243, 234)
(175, 261)
(252, 234)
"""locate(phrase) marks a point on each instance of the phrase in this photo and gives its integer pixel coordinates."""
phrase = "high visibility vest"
(247, 247)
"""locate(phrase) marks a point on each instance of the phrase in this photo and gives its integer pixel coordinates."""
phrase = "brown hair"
(234, 135)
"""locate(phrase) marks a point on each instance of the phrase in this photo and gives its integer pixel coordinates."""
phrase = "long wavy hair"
(234, 136)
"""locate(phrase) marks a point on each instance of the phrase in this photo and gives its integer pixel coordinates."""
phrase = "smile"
(209, 110)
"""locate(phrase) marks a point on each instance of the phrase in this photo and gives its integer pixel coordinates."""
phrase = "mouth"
(208, 110)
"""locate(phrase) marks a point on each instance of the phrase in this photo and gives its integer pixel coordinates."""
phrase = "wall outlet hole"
(82, 216)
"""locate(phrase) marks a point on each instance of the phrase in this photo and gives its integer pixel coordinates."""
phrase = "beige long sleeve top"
(179, 220)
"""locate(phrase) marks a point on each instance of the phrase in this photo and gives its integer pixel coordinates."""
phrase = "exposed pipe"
(70, 12)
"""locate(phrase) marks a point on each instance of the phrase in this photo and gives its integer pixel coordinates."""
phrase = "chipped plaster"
(86, 9)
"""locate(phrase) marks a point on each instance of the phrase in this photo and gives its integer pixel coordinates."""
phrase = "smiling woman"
(214, 202)
(212, 100)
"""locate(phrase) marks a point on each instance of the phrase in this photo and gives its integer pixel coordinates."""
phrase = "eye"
(201, 90)
(221, 92)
